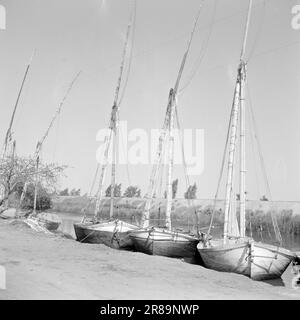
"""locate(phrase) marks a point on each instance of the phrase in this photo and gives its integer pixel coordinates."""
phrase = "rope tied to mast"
(166, 126)
(114, 123)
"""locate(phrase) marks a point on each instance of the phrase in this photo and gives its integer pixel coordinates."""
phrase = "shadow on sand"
(275, 282)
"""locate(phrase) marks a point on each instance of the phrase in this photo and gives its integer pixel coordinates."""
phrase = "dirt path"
(41, 266)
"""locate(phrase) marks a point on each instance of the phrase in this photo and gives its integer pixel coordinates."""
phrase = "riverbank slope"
(41, 266)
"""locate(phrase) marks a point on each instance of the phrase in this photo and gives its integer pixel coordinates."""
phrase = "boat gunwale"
(94, 226)
(287, 253)
(134, 234)
(228, 247)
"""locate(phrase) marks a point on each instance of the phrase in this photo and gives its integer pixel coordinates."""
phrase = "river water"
(292, 243)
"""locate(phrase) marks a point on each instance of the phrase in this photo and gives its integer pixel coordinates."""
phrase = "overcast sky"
(73, 35)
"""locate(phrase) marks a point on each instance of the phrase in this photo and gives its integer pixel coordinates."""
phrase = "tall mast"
(170, 162)
(115, 112)
(173, 103)
(40, 143)
(113, 126)
(9, 130)
(155, 168)
(242, 128)
(231, 158)
(237, 109)
(168, 127)
(176, 86)
(243, 152)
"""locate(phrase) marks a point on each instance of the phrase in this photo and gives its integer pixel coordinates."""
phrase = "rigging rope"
(191, 202)
(56, 138)
(132, 20)
(131, 52)
(40, 143)
(203, 51)
(222, 169)
(253, 152)
(263, 167)
(8, 137)
(125, 153)
(246, 31)
(258, 33)
(176, 86)
(114, 120)
(84, 209)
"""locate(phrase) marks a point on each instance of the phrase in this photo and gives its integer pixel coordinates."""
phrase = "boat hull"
(106, 233)
(164, 243)
(234, 257)
(268, 261)
(48, 221)
(255, 260)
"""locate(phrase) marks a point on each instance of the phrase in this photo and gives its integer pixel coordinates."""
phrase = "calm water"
(292, 243)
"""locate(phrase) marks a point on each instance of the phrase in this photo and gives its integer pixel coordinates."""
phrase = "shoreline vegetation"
(258, 213)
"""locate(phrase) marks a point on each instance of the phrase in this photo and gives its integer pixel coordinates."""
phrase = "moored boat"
(50, 221)
(166, 241)
(43, 221)
(256, 260)
(114, 233)
(236, 252)
(161, 242)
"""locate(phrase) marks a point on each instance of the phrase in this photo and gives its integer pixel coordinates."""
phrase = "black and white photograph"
(149, 151)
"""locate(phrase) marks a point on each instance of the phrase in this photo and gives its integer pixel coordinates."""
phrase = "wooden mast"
(40, 144)
(9, 132)
(243, 152)
(8, 136)
(170, 161)
(237, 109)
(232, 149)
(155, 168)
(242, 128)
(168, 128)
(114, 122)
(113, 134)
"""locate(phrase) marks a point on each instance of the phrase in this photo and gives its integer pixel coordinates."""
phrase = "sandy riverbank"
(41, 266)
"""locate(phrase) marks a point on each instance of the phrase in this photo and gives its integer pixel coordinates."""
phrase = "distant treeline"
(133, 191)
(187, 212)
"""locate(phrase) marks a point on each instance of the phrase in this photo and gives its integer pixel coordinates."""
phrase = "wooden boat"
(113, 233)
(259, 261)
(166, 241)
(49, 221)
(236, 252)
(161, 242)
(46, 220)
(42, 224)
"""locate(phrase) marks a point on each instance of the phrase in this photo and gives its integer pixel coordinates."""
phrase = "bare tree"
(16, 171)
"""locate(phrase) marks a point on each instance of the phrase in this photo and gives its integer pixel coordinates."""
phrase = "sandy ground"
(41, 266)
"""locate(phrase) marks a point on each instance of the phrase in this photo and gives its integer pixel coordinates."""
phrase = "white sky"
(88, 35)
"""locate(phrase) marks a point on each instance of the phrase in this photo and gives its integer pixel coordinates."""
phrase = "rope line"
(203, 51)
(263, 167)
(258, 33)
(131, 52)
